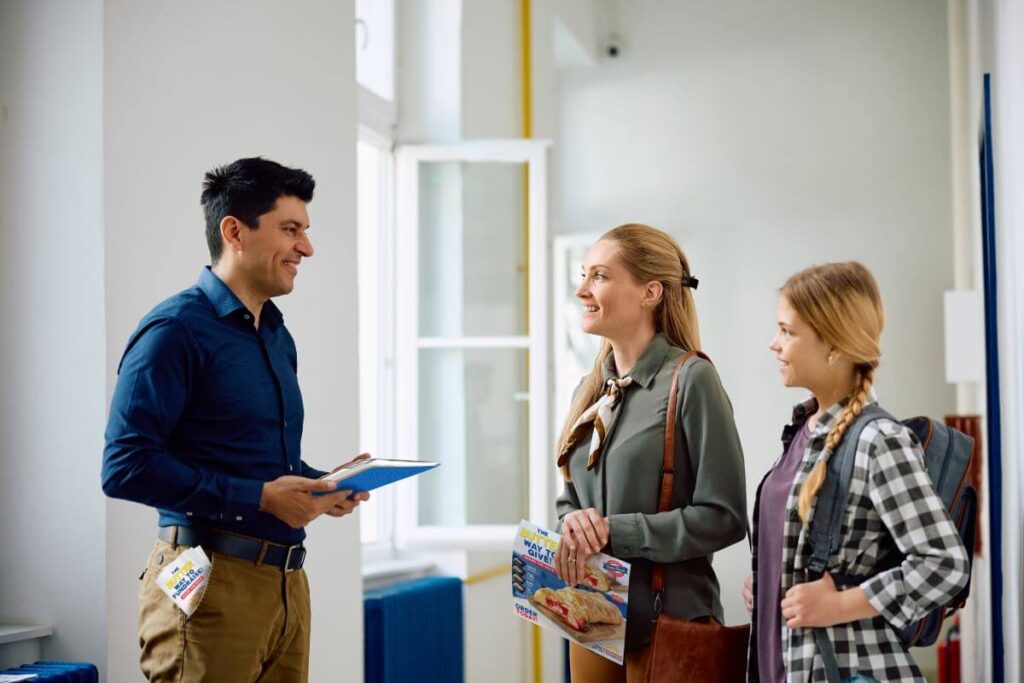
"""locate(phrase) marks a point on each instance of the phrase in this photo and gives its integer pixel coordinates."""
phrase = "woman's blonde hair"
(842, 304)
(648, 255)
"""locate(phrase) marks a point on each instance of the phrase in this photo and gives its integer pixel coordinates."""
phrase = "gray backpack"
(947, 457)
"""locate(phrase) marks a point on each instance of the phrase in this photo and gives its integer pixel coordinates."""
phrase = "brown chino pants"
(587, 667)
(252, 625)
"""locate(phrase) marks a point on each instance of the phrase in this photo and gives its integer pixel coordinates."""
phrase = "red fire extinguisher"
(948, 654)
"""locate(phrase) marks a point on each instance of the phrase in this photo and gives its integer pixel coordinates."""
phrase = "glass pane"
(473, 420)
(368, 161)
(471, 236)
(375, 47)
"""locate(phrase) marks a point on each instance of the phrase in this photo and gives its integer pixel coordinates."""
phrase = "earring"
(830, 359)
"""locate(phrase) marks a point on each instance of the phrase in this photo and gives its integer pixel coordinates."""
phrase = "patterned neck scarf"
(601, 415)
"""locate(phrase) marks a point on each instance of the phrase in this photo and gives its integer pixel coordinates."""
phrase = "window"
(376, 346)
(471, 341)
(375, 63)
(375, 75)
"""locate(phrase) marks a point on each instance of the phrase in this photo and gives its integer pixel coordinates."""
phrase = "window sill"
(15, 634)
(388, 571)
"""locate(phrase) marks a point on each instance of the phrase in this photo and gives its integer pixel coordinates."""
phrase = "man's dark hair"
(247, 189)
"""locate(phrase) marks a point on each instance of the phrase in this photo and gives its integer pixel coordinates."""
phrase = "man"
(205, 425)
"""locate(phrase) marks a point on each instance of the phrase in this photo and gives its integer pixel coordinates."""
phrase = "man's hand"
(748, 593)
(347, 505)
(291, 499)
(361, 456)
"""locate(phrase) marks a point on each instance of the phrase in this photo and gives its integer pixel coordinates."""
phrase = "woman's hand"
(818, 603)
(748, 593)
(584, 533)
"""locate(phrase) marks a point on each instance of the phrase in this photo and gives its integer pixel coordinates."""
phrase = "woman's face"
(612, 298)
(802, 355)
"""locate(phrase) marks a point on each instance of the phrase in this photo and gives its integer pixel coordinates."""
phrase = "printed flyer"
(591, 614)
(184, 580)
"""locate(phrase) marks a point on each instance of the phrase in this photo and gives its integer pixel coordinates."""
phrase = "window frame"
(409, 533)
(382, 298)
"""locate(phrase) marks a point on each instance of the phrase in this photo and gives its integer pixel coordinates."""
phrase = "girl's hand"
(814, 603)
(818, 603)
(748, 593)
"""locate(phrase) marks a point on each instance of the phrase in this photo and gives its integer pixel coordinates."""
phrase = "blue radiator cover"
(413, 632)
(58, 672)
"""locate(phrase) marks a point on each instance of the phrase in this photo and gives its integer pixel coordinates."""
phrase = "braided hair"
(842, 304)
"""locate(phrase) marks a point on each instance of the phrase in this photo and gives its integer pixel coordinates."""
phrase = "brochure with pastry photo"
(591, 614)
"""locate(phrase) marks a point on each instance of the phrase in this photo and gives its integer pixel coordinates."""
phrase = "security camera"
(613, 47)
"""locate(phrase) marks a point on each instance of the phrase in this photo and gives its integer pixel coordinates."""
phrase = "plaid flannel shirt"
(892, 507)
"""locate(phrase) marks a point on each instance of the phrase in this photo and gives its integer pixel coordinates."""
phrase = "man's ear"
(231, 233)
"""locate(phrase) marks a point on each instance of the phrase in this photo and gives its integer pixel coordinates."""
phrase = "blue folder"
(375, 477)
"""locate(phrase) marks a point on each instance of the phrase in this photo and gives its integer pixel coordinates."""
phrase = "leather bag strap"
(668, 464)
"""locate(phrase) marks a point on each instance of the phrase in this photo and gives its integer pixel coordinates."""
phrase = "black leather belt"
(287, 557)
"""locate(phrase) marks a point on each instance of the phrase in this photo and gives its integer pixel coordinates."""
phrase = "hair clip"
(690, 281)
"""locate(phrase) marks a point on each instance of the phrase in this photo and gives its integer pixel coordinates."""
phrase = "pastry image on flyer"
(591, 614)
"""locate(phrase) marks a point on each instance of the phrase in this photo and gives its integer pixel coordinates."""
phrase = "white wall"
(190, 85)
(52, 359)
(768, 137)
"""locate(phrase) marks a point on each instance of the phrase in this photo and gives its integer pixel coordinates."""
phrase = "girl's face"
(802, 355)
(613, 300)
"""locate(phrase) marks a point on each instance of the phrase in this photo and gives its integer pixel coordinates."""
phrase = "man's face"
(271, 254)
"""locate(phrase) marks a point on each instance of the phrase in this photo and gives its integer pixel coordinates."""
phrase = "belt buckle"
(288, 558)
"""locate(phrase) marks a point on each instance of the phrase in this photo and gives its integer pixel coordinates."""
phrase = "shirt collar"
(225, 303)
(825, 423)
(647, 366)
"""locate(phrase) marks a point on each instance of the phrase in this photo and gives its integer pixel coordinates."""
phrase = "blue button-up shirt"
(206, 409)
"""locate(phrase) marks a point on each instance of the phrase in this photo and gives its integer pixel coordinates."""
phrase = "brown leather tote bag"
(699, 651)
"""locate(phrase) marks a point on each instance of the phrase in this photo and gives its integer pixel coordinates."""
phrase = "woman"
(830, 321)
(635, 292)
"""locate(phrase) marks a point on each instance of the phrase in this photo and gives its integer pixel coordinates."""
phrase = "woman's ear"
(652, 294)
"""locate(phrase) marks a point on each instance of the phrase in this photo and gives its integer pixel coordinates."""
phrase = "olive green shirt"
(708, 505)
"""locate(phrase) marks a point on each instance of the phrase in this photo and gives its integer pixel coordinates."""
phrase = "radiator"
(413, 632)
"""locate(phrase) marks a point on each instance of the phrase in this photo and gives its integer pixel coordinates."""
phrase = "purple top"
(771, 518)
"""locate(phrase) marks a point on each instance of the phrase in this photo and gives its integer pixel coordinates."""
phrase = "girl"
(830, 321)
(636, 293)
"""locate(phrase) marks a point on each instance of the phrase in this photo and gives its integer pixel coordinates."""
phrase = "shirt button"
(188, 514)
(290, 468)
(238, 518)
(247, 316)
(286, 423)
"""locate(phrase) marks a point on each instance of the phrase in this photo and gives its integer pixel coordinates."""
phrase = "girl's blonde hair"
(648, 255)
(842, 304)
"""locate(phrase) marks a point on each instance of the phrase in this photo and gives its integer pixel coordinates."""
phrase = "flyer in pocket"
(185, 579)
(591, 614)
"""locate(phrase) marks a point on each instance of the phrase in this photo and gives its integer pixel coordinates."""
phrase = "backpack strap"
(827, 521)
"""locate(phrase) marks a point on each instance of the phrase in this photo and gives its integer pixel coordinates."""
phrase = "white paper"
(12, 678)
(185, 579)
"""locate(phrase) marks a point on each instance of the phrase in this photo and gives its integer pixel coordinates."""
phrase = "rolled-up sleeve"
(153, 388)
(716, 515)
(935, 567)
